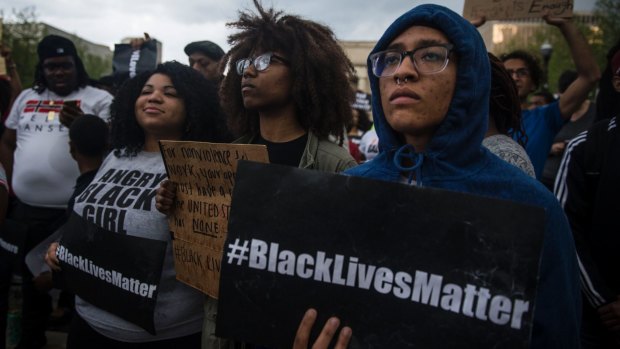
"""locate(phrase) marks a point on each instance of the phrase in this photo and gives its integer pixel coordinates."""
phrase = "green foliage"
(608, 14)
(23, 39)
(22, 33)
(561, 58)
(95, 66)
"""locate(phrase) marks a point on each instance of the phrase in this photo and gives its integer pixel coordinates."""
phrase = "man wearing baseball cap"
(34, 150)
(205, 56)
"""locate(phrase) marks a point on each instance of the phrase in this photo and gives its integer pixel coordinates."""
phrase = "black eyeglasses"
(521, 72)
(427, 60)
(261, 63)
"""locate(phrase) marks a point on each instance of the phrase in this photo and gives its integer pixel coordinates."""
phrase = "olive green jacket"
(321, 155)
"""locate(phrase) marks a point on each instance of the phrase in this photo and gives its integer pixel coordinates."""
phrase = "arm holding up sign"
(325, 337)
(585, 64)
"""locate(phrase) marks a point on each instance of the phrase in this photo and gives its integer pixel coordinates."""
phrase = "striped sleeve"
(577, 199)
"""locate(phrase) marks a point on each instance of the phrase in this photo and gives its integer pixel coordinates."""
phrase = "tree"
(22, 33)
(608, 14)
(561, 58)
(23, 39)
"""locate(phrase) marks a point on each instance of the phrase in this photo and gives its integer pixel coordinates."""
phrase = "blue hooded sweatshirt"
(455, 160)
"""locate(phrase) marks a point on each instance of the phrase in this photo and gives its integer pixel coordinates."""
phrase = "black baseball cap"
(211, 49)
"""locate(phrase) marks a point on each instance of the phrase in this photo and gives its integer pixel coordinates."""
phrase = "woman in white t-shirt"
(172, 103)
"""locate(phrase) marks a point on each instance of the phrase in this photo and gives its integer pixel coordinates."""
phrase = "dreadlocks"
(505, 106)
(319, 68)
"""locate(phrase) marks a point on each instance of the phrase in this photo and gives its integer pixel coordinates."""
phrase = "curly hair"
(531, 62)
(40, 84)
(203, 121)
(608, 99)
(319, 68)
(363, 121)
(504, 103)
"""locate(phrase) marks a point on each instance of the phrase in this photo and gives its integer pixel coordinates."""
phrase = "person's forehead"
(419, 34)
(60, 59)
(159, 79)
(199, 56)
(515, 63)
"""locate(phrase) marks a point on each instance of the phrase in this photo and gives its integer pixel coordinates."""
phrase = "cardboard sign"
(405, 267)
(516, 9)
(205, 176)
(115, 272)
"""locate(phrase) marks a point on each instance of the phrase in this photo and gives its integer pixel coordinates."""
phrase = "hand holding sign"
(166, 194)
(50, 257)
(329, 330)
(610, 316)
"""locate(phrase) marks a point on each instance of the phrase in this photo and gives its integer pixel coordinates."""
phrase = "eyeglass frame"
(252, 61)
(449, 47)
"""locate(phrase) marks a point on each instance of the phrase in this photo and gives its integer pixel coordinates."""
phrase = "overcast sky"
(176, 23)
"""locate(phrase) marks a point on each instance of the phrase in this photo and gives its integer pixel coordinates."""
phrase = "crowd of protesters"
(286, 83)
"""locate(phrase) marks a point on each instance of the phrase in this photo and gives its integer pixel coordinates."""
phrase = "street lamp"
(546, 50)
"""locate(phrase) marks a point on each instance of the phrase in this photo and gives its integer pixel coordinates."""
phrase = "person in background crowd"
(580, 121)
(587, 187)
(88, 145)
(287, 88)
(431, 124)
(35, 153)
(607, 101)
(10, 85)
(540, 98)
(369, 144)
(174, 102)
(205, 57)
(359, 125)
(5, 265)
(543, 123)
(505, 120)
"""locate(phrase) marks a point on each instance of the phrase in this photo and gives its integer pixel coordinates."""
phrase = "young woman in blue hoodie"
(430, 80)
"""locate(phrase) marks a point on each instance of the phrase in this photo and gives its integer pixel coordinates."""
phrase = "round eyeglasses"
(261, 63)
(427, 60)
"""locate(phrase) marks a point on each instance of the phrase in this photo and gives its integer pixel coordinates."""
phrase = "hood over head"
(456, 144)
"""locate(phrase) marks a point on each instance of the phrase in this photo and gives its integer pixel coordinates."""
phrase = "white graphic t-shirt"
(43, 171)
(121, 198)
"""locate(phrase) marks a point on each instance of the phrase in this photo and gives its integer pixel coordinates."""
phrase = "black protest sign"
(116, 272)
(403, 266)
(128, 62)
(12, 239)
